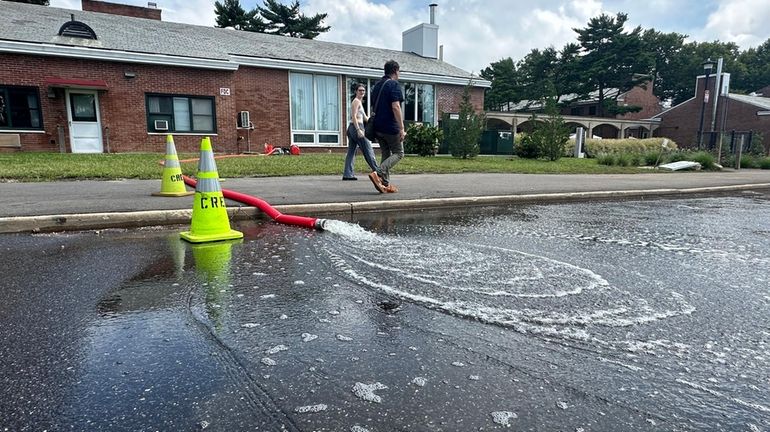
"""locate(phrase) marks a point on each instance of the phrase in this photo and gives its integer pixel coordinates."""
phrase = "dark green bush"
(422, 139)
(706, 159)
(764, 163)
(527, 148)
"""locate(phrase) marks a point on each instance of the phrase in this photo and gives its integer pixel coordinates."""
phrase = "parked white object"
(681, 165)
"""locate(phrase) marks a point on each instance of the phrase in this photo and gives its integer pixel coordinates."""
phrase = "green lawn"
(30, 167)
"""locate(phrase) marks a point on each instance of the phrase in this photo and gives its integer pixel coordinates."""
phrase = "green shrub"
(764, 163)
(464, 133)
(527, 148)
(422, 139)
(596, 146)
(748, 161)
(605, 159)
(706, 159)
(676, 156)
(756, 148)
(625, 159)
(652, 157)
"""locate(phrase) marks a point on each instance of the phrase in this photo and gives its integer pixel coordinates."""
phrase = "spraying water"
(530, 293)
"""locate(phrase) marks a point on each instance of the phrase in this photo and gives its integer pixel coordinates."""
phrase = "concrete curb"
(86, 221)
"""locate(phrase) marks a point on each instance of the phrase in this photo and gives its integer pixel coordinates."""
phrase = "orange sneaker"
(390, 189)
(376, 182)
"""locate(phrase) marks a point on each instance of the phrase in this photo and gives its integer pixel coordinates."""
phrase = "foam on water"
(527, 292)
(351, 231)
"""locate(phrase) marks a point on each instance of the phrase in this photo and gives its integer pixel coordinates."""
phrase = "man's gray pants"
(392, 149)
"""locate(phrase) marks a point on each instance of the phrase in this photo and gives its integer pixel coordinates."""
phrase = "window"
(315, 108)
(419, 103)
(419, 100)
(352, 83)
(20, 108)
(592, 110)
(183, 113)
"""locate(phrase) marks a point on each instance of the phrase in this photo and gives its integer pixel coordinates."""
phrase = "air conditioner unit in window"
(161, 125)
(243, 119)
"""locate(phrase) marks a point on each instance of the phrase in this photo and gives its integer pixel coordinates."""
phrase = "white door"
(83, 120)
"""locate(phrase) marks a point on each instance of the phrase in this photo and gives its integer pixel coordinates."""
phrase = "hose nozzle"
(319, 224)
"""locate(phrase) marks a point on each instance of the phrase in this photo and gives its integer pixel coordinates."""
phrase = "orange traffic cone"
(172, 183)
(209, 216)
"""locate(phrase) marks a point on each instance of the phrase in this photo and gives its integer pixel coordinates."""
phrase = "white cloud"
(744, 22)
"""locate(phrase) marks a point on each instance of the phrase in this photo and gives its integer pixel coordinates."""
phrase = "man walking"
(388, 125)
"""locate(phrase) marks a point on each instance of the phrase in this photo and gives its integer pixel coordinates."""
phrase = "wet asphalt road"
(638, 315)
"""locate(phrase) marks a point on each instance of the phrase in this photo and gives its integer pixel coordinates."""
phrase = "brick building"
(733, 112)
(116, 78)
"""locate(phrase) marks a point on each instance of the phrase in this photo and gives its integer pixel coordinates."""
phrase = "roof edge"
(113, 55)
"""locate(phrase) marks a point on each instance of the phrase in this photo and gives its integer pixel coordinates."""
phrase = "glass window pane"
(3, 110)
(327, 103)
(202, 106)
(181, 114)
(160, 105)
(304, 138)
(83, 107)
(427, 105)
(328, 139)
(301, 95)
(34, 118)
(203, 123)
(410, 99)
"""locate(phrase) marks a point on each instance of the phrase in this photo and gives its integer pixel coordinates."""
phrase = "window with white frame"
(419, 103)
(315, 108)
(419, 99)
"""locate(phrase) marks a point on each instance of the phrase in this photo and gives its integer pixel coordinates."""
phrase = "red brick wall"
(644, 98)
(448, 98)
(264, 93)
(683, 122)
(120, 9)
(122, 106)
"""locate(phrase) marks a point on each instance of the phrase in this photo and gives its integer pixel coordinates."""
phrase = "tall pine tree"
(612, 57)
(288, 21)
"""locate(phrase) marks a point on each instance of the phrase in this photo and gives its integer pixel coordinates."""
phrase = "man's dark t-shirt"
(384, 120)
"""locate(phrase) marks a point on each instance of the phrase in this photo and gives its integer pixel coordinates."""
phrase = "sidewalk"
(66, 205)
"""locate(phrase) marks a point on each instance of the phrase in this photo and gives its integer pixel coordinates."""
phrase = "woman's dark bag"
(369, 132)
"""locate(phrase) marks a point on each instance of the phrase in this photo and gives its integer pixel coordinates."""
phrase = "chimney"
(150, 12)
(433, 7)
(423, 38)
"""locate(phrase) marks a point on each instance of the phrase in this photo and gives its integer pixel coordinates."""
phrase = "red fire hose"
(266, 208)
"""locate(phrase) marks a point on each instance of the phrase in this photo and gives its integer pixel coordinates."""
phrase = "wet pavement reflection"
(638, 315)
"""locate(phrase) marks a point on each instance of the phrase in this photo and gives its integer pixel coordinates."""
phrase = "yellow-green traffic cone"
(172, 183)
(209, 216)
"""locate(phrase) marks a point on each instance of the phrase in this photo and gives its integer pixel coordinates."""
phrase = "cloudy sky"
(475, 33)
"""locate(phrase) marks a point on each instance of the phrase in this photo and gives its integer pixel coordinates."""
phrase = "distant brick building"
(732, 112)
(116, 78)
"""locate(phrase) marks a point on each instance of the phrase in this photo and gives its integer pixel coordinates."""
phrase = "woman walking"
(356, 138)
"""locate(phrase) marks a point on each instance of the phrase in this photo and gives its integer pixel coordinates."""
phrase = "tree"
(273, 18)
(757, 66)
(37, 2)
(288, 21)
(612, 58)
(505, 86)
(464, 133)
(231, 14)
(549, 135)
